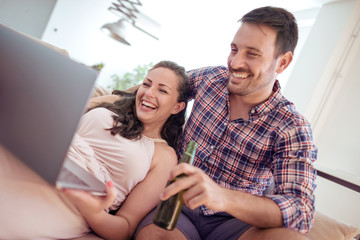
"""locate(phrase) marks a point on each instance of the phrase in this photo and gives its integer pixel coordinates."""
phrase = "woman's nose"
(150, 92)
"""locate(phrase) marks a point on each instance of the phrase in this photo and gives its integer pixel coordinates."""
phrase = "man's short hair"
(279, 19)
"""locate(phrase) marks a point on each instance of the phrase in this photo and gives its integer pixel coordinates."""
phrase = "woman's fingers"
(110, 194)
(88, 202)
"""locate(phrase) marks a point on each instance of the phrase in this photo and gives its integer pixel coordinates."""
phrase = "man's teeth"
(146, 104)
(241, 75)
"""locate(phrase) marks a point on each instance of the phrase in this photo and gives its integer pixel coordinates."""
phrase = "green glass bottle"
(167, 212)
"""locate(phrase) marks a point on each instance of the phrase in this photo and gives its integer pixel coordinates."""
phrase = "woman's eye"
(146, 84)
(163, 91)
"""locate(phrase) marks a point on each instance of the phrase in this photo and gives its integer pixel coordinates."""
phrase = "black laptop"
(43, 95)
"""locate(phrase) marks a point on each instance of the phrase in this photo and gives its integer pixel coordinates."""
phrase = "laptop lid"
(42, 97)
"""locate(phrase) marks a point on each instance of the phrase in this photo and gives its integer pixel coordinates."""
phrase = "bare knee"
(272, 234)
(152, 232)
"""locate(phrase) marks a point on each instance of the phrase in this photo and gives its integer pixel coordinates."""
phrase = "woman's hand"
(89, 204)
(92, 207)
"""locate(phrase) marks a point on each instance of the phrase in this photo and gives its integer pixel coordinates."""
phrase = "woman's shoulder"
(163, 147)
(164, 153)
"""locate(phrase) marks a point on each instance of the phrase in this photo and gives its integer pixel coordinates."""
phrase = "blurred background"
(323, 80)
(191, 33)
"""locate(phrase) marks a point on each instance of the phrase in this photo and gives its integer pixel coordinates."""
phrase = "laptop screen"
(42, 97)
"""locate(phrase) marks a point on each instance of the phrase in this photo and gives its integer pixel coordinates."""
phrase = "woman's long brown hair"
(129, 126)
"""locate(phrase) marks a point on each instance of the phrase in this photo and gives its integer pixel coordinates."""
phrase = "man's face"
(251, 63)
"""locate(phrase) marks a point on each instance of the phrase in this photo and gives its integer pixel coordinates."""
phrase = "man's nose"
(238, 61)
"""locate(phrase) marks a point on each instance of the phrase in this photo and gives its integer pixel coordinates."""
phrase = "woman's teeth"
(147, 104)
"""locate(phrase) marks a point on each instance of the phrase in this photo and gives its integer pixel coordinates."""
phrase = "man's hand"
(199, 188)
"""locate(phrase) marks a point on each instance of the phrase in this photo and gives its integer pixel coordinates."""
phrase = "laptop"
(43, 95)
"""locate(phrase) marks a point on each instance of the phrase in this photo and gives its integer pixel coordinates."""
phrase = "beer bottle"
(167, 212)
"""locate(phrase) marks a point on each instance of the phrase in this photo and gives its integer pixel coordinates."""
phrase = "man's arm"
(100, 96)
(202, 190)
(132, 89)
(291, 205)
(97, 100)
(294, 177)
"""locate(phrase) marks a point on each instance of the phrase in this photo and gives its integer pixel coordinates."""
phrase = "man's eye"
(253, 54)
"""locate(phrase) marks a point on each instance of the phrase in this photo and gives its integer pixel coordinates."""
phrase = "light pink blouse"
(124, 161)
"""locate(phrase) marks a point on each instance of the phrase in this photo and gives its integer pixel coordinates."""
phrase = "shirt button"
(252, 111)
(225, 124)
(212, 147)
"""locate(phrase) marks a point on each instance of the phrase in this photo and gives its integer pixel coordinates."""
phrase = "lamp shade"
(117, 30)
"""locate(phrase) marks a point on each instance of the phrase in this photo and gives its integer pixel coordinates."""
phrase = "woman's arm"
(146, 195)
(139, 202)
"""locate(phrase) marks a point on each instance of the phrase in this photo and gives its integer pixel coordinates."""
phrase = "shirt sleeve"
(195, 78)
(199, 76)
(294, 177)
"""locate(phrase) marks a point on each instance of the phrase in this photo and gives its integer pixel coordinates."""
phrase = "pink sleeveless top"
(124, 161)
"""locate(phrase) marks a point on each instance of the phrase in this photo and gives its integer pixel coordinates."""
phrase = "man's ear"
(284, 62)
(178, 108)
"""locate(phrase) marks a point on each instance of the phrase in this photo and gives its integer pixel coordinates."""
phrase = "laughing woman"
(128, 144)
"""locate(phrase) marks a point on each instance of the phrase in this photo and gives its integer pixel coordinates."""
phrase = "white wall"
(30, 17)
(325, 85)
(316, 54)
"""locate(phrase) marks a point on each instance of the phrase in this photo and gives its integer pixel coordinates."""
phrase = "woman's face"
(156, 99)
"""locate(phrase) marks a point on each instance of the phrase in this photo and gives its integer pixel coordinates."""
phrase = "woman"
(128, 144)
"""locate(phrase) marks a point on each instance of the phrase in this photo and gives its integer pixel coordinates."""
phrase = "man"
(248, 136)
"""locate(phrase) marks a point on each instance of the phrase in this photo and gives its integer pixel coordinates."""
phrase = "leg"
(193, 225)
(184, 230)
(153, 232)
(272, 234)
(31, 208)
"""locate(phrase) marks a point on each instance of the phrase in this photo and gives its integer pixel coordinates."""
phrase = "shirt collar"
(271, 102)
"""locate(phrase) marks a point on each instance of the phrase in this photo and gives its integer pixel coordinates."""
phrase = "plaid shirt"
(274, 145)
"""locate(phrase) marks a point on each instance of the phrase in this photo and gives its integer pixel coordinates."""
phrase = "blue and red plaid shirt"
(274, 145)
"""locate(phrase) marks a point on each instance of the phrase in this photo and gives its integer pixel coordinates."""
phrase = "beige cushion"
(326, 228)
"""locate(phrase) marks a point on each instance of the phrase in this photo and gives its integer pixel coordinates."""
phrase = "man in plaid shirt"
(248, 136)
